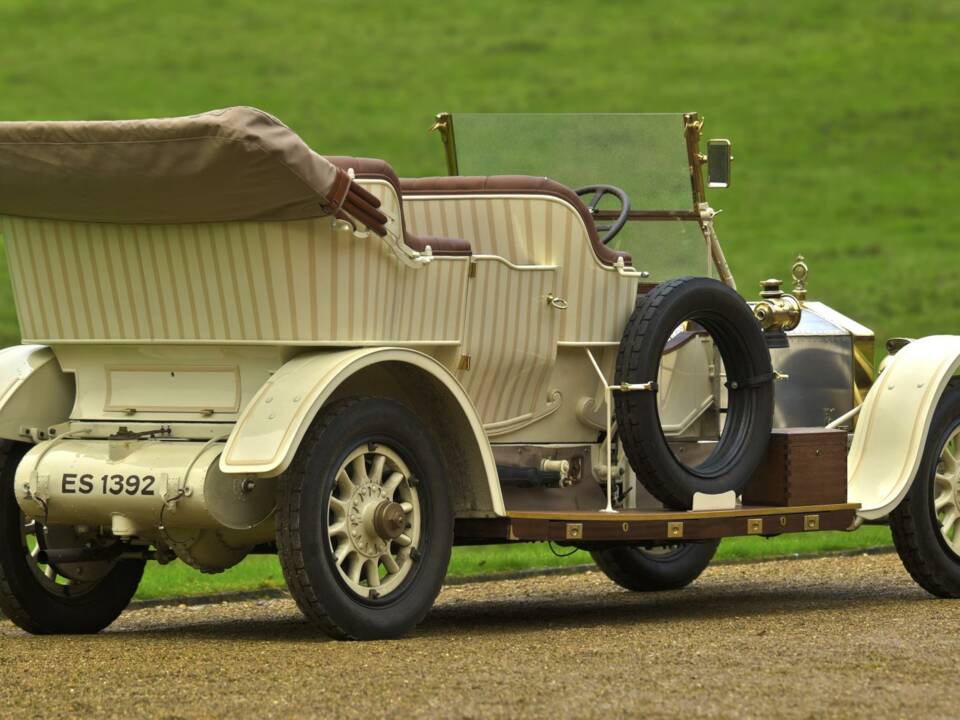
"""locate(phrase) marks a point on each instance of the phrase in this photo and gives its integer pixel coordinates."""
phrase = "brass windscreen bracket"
(444, 123)
(692, 126)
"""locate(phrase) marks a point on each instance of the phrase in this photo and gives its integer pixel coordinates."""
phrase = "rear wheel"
(926, 524)
(46, 598)
(364, 523)
(666, 567)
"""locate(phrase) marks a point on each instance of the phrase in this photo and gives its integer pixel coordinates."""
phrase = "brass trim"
(674, 529)
(864, 373)
(574, 531)
(777, 311)
(444, 123)
(754, 526)
(800, 271)
(677, 515)
(811, 522)
(692, 126)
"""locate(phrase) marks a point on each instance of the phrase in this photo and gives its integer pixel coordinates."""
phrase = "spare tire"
(746, 358)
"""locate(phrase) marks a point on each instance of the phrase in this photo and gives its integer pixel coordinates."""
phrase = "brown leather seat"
(513, 185)
(374, 168)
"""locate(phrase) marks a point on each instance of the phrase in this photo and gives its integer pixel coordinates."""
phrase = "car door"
(510, 341)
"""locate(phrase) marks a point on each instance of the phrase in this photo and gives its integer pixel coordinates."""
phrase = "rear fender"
(35, 394)
(894, 423)
(270, 429)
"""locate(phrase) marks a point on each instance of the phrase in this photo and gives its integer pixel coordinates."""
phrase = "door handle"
(557, 302)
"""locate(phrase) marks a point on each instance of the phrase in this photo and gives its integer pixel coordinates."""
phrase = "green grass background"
(841, 113)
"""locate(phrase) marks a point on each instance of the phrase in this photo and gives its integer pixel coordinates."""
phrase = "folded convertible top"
(233, 164)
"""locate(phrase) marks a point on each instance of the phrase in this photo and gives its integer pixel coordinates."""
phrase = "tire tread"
(9, 603)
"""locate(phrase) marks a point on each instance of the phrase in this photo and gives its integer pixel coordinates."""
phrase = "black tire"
(743, 443)
(26, 600)
(303, 518)
(641, 570)
(914, 524)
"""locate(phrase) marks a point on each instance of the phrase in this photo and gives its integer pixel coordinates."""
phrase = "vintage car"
(234, 345)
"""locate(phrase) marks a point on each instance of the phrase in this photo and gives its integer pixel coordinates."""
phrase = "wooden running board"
(654, 525)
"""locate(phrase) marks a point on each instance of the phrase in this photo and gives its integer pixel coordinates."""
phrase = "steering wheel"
(599, 192)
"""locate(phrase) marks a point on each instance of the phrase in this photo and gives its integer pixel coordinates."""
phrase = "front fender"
(269, 430)
(894, 422)
(34, 392)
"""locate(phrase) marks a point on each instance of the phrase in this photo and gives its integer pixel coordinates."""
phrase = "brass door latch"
(557, 302)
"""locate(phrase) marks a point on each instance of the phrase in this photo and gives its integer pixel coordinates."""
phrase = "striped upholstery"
(512, 344)
(277, 282)
(537, 230)
(301, 282)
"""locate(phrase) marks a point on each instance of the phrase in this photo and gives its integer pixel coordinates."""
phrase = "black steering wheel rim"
(609, 232)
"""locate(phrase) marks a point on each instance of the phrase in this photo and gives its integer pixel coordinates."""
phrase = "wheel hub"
(363, 507)
(389, 520)
(374, 520)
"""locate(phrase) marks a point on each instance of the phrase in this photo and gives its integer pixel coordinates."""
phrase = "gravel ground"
(831, 637)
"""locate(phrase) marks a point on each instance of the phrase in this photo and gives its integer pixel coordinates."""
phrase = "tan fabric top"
(238, 163)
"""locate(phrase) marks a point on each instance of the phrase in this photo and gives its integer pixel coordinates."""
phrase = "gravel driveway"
(829, 637)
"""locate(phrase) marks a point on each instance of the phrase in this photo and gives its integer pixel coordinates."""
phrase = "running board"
(638, 526)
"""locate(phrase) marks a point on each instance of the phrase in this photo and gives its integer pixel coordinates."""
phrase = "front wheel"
(926, 523)
(364, 522)
(46, 598)
(665, 567)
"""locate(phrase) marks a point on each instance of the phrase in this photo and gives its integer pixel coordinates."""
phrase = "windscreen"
(645, 155)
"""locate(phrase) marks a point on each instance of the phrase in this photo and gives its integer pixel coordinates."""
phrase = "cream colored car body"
(34, 393)
(212, 357)
(241, 332)
(895, 420)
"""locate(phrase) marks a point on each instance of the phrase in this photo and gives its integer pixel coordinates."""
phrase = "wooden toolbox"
(803, 466)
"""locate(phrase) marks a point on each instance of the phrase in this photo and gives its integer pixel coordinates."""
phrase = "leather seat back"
(514, 185)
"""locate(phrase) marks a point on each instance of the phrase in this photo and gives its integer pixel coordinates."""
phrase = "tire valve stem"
(373, 595)
(413, 481)
(415, 554)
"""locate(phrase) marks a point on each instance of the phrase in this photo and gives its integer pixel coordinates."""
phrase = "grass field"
(841, 113)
